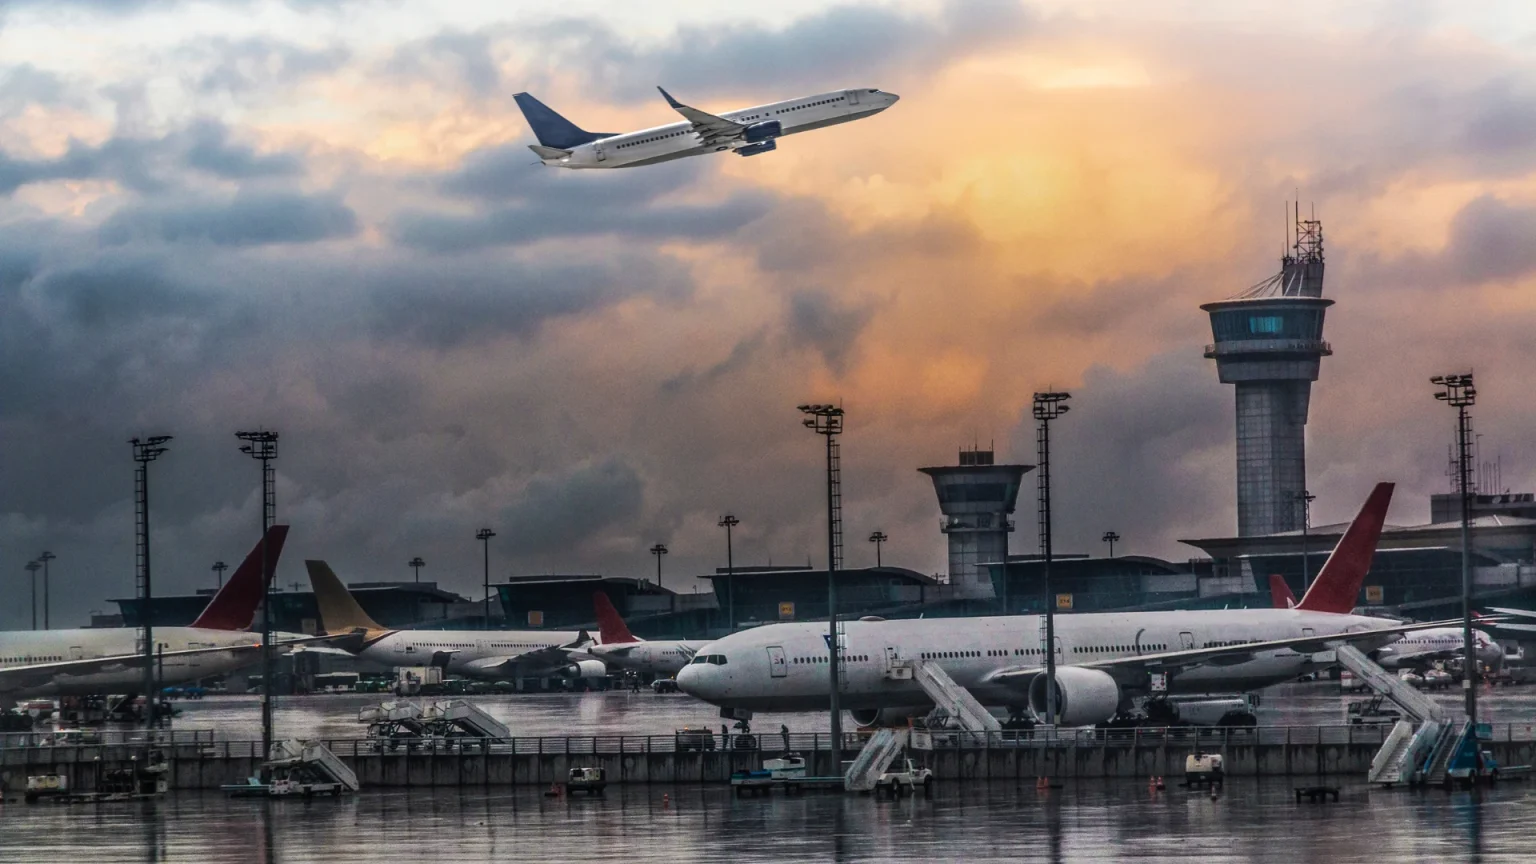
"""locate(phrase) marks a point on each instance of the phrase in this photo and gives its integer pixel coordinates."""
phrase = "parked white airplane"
(748, 131)
(1416, 651)
(622, 649)
(89, 661)
(1103, 660)
(489, 654)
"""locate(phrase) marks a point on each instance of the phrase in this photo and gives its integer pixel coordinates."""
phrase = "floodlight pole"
(878, 538)
(729, 521)
(658, 550)
(146, 451)
(827, 420)
(1047, 407)
(1111, 538)
(219, 567)
(484, 535)
(1306, 498)
(261, 445)
(45, 558)
(1458, 392)
(416, 564)
(32, 568)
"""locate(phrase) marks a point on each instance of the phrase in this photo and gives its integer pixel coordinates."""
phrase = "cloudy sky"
(322, 218)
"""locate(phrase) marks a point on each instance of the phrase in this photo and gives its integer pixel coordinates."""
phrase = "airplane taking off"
(89, 661)
(489, 654)
(748, 131)
(621, 648)
(1103, 660)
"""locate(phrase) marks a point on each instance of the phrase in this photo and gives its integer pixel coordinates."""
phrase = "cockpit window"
(717, 659)
(701, 659)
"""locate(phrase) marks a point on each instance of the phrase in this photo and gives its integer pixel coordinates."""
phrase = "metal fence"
(200, 743)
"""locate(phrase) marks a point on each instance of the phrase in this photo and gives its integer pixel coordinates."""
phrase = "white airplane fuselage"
(1426, 646)
(783, 667)
(677, 140)
(30, 647)
(457, 650)
(663, 657)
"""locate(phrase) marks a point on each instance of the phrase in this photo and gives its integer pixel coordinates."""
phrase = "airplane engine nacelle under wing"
(761, 147)
(586, 669)
(1083, 696)
(881, 718)
(762, 131)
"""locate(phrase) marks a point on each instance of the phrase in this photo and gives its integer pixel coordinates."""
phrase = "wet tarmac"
(616, 712)
(1251, 821)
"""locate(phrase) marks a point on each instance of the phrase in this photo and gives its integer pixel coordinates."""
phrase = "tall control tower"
(976, 498)
(1269, 344)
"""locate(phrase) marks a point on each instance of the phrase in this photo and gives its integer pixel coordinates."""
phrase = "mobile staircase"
(466, 719)
(882, 749)
(954, 701)
(1420, 745)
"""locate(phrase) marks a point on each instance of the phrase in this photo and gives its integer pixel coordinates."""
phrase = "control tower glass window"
(1233, 325)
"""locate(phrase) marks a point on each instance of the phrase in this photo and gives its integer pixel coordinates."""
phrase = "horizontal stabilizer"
(543, 152)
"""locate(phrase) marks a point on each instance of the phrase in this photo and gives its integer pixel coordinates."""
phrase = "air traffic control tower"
(976, 498)
(1269, 345)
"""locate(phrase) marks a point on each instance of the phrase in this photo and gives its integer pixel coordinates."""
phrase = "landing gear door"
(777, 666)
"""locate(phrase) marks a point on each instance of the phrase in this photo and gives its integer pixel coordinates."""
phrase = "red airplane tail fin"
(1337, 586)
(234, 607)
(1280, 593)
(610, 626)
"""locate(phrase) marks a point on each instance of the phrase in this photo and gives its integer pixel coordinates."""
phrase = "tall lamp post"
(219, 567)
(145, 451)
(878, 538)
(658, 550)
(261, 445)
(1111, 538)
(827, 420)
(1305, 499)
(44, 559)
(32, 568)
(729, 521)
(416, 564)
(1048, 407)
(1458, 392)
(484, 535)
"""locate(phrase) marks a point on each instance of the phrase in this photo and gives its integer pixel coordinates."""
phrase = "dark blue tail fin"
(551, 129)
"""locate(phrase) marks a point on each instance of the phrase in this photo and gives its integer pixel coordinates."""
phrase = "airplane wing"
(1222, 655)
(710, 129)
(531, 662)
(38, 674)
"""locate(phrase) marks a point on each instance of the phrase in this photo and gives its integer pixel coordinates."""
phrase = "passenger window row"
(655, 138)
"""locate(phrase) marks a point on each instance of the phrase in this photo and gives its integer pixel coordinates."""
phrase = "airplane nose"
(689, 679)
(893, 97)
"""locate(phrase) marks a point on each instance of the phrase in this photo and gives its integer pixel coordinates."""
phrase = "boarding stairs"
(1438, 764)
(315, 758)
(1425, 738)
(955, 701)
(882, 748)
(466, 717)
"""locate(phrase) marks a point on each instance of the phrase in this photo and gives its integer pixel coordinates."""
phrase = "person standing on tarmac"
(784, 730)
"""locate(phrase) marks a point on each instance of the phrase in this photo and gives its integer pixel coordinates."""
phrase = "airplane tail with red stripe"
(1337, 587)
(1280, 593)
(234, 607)
(610, 625)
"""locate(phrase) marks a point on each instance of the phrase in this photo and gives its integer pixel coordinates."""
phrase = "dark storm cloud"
(846, 46)
(1142, 452)
(247, 219)
(554, 513)
(446, 306)
(1490, 240)
(129, 161)
(826, 323)
(209, 149)
(28, 85)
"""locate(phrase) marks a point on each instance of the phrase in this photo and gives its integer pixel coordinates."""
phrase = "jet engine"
(880, 718)
(762, 131)
(1083, 696)
(760, 147)
(586, 669)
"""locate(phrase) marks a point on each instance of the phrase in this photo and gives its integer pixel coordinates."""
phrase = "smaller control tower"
(1269, 344)
(976, 498)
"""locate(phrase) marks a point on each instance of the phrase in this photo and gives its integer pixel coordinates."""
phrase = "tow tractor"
(905, 780)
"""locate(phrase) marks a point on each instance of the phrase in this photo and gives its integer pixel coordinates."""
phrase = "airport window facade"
(1240, 324)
